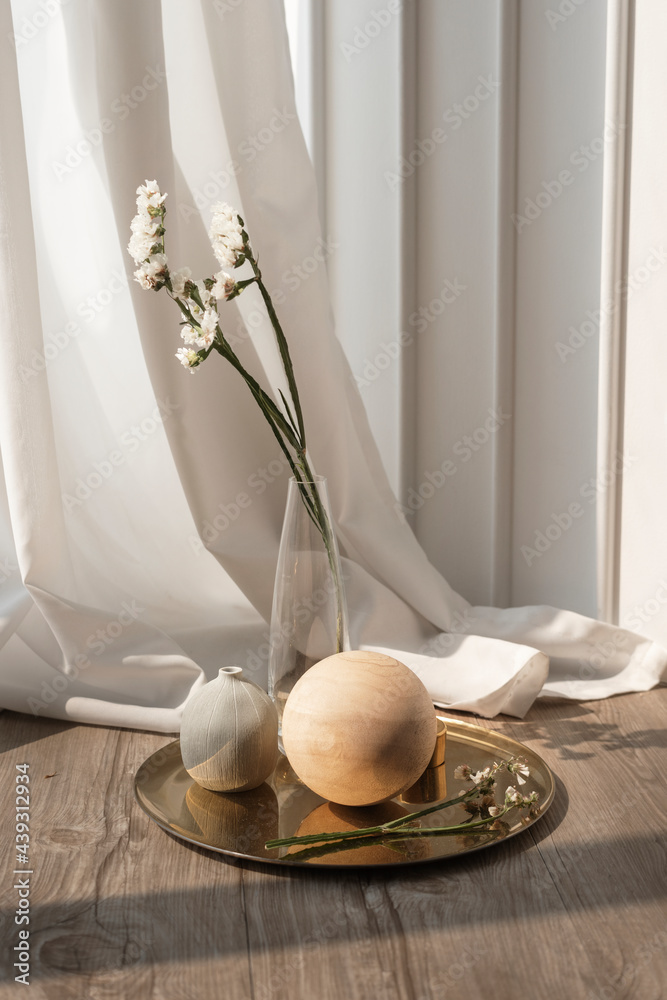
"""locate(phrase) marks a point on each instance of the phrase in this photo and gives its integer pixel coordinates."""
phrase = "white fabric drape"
(144, 505)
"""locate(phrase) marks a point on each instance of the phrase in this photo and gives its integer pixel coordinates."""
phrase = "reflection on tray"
(431, 787)
(331, 818)
(240, 822)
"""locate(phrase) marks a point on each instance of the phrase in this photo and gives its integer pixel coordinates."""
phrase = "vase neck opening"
(230, 672)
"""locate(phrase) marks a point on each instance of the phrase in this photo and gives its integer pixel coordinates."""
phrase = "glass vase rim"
(314, 480)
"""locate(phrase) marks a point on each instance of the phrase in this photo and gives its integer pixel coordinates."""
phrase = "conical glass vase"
(309, 616)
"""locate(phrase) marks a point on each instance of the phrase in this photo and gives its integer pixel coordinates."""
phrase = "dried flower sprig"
(485, 814)
(202, 334)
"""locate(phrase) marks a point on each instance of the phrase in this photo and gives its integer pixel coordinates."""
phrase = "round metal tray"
(240, 824)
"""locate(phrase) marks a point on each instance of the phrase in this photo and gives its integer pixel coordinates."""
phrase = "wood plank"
(573, 908)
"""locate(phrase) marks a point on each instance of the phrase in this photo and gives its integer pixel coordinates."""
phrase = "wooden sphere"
(331, 818)
(359, 727)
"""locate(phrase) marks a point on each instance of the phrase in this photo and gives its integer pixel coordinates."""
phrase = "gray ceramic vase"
(229, 734)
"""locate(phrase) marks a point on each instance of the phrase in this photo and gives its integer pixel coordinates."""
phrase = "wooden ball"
(359, 727)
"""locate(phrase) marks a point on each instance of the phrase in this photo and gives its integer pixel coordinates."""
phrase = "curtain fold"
(144, 505)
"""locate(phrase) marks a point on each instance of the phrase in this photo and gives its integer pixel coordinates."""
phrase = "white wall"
(643, 518)
(502, 107)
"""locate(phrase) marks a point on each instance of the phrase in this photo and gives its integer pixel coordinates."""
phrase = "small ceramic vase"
(229, 734)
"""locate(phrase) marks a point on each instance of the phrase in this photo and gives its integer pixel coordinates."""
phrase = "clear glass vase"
(309, 616)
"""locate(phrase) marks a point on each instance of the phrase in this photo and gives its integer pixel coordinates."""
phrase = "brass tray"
(240, 824)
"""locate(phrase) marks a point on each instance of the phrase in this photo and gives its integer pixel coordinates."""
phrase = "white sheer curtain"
(143, 506)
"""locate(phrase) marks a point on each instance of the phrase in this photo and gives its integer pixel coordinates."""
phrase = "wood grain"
(574, 908)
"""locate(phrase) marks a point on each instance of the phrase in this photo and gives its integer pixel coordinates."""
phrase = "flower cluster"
(202, 334)
(146, 246)
(482, 801)
(484, 815)
(515, 800)
(197, 300)
(227, 236)
(202, 327)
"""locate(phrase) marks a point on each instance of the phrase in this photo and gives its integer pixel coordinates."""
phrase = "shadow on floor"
(288, 909)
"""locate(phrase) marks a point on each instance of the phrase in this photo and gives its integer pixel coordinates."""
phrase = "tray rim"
(499, 741)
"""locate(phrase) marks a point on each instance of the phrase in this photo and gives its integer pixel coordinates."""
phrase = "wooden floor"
(574, 908)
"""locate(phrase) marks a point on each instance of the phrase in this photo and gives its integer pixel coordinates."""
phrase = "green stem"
(288, 428)
(282, 346)
(321, 518)
(402, 822)
(326, 531)
(386, 841)
(383, 828)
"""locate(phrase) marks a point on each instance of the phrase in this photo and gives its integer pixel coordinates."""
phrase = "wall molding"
(409, 28)
(505, 303)
(614, 240)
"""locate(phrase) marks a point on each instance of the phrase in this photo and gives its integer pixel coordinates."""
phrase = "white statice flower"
(481, 776)
(463, 772)
(189, 334)
(188, 358)
(512, 797)
(152, 272)
(494, 810)
(143, 237)
(224, 285)
(225, 234)
(149, 196)
(178, 279)
(207, 324)
(207, 297)
(146, 222)
(204, 334)
(520, 770)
